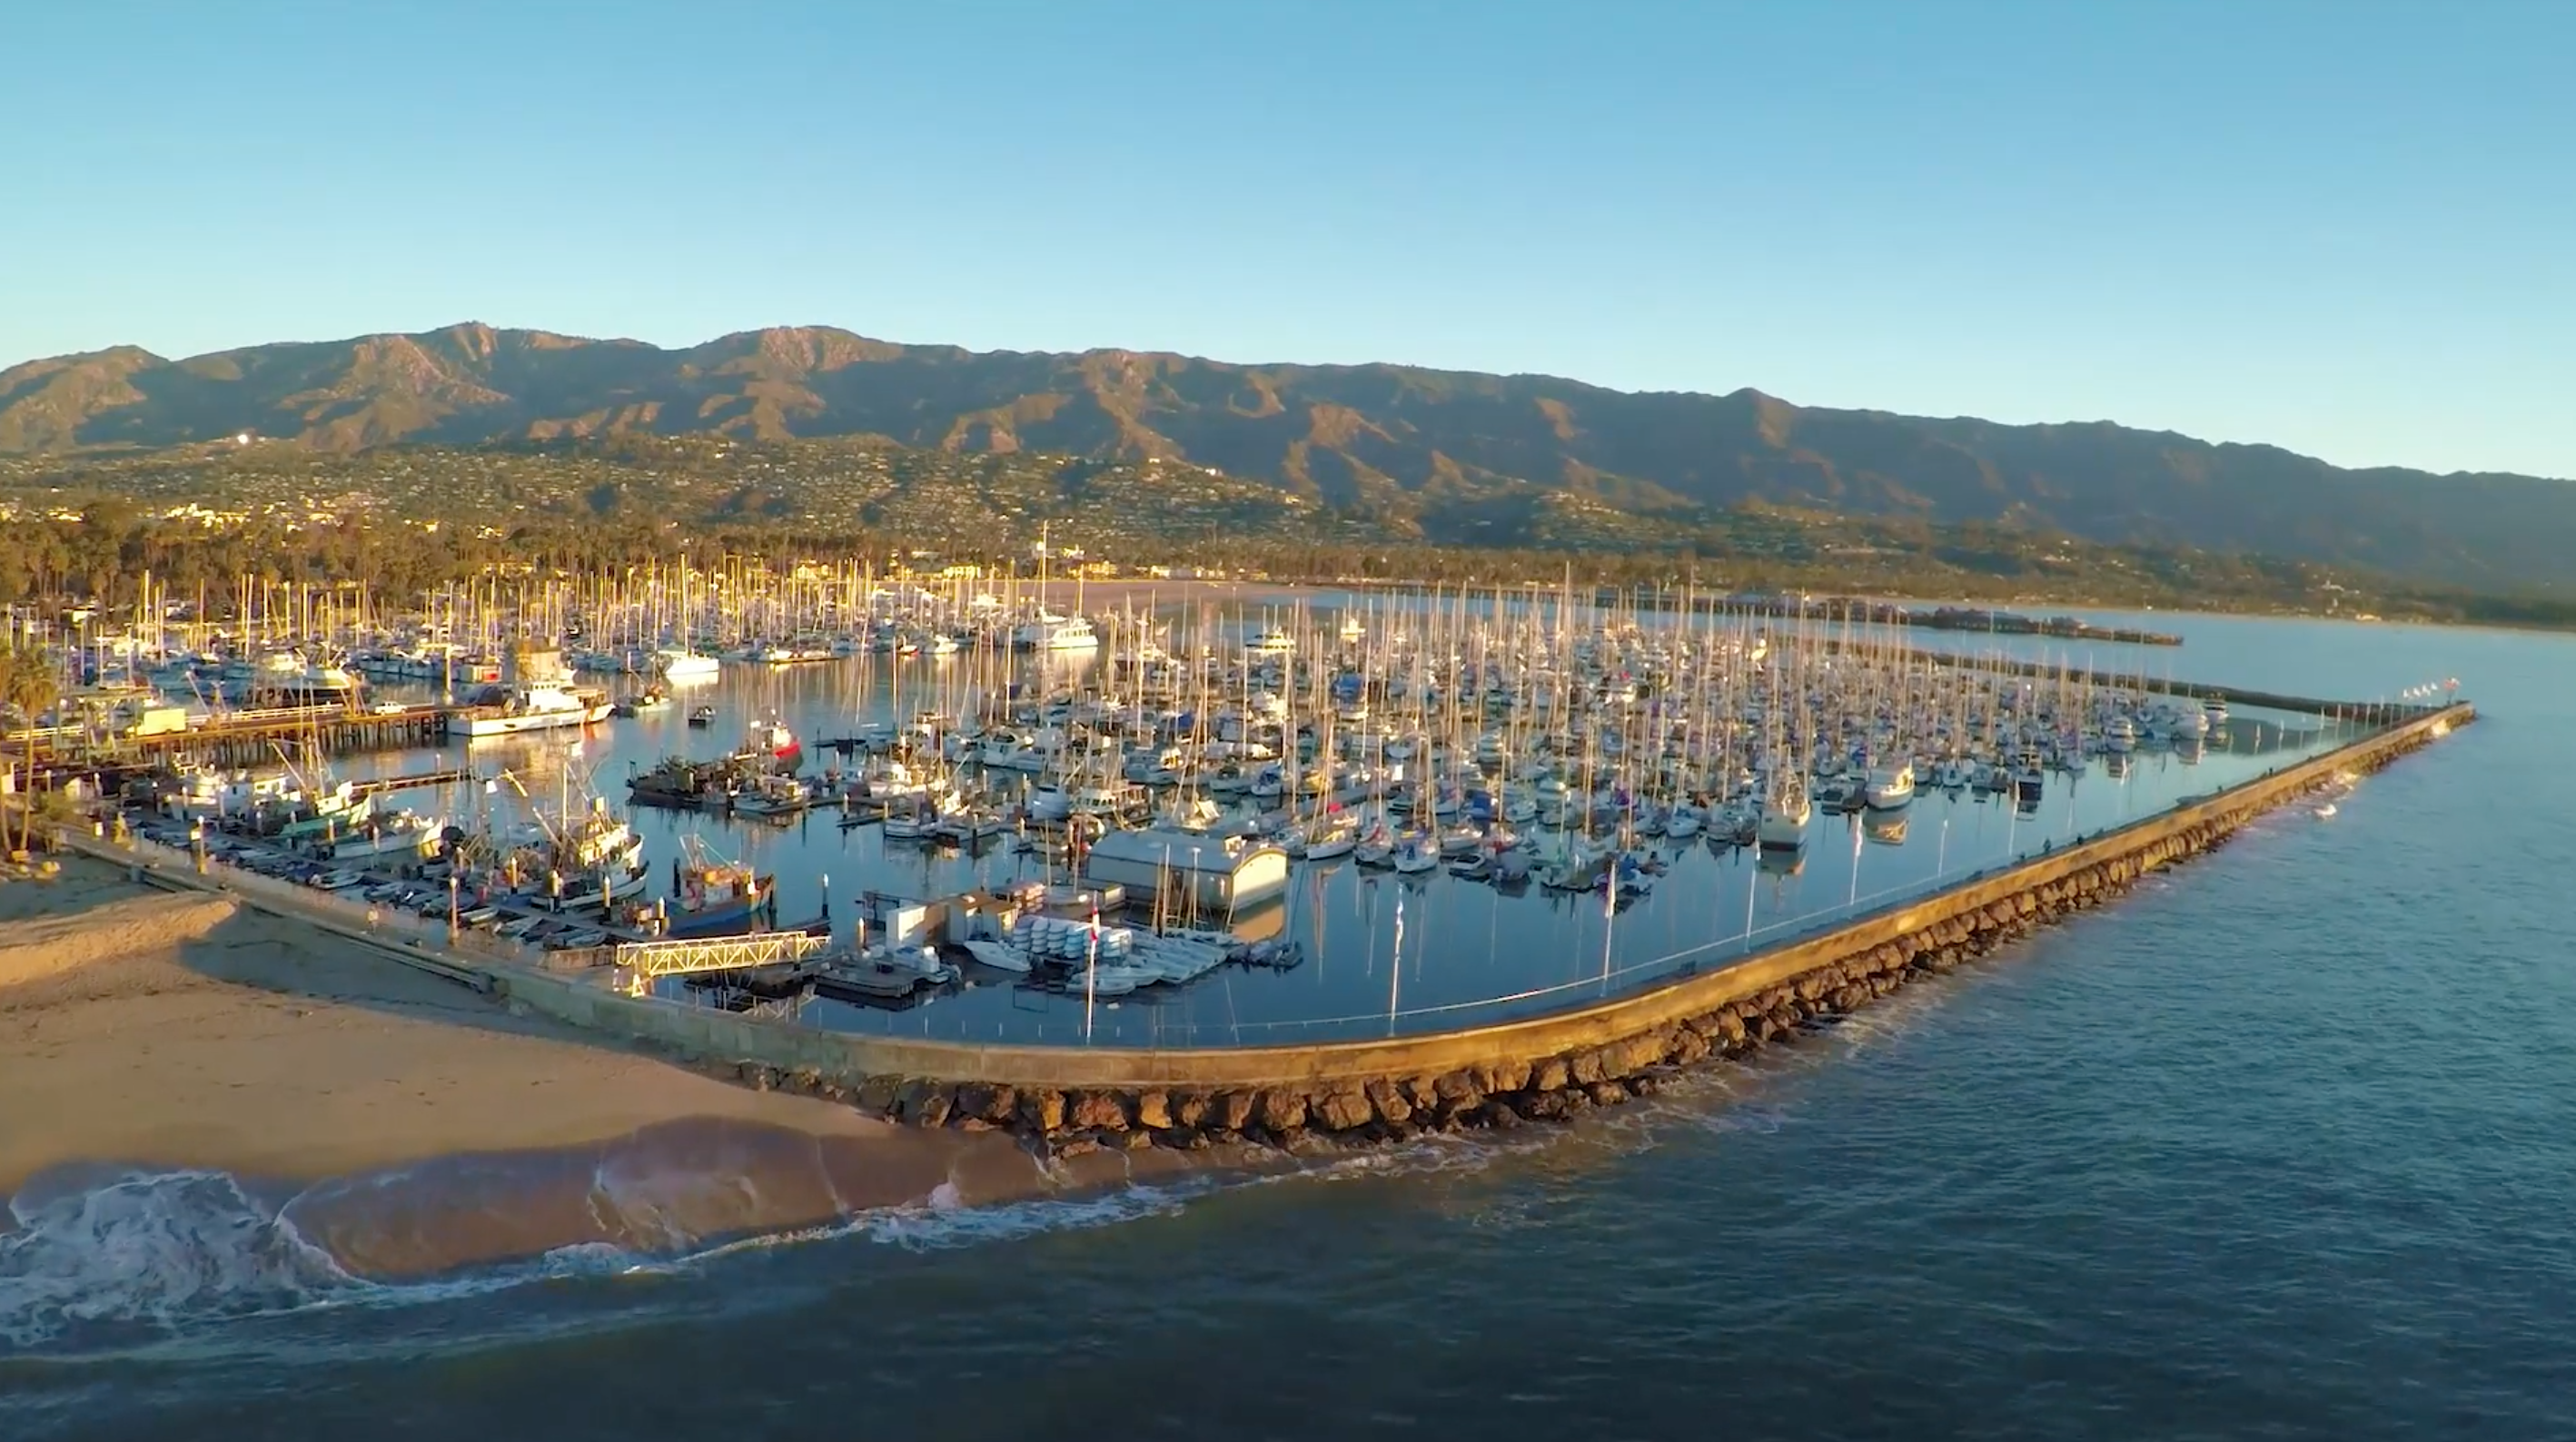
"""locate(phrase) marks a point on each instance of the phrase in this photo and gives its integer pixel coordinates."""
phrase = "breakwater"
(1075, 1099)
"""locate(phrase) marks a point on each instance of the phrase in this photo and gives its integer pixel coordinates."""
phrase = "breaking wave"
(99, 1262)
(143, 1254)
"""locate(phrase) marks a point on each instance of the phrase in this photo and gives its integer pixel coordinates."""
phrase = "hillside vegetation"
(1439, 457)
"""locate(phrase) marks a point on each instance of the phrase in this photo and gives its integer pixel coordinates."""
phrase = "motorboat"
(1890, 787)
(891, 971)
(675, 663)
(1783, 826)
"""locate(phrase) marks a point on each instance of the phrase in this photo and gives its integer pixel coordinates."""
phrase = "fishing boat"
(773, 737)
(715, 897)
(590, 861)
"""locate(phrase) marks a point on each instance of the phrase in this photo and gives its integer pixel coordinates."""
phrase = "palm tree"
(13, 664)
(27, 684)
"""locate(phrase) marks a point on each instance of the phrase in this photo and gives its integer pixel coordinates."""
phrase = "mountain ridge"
(1406, 442)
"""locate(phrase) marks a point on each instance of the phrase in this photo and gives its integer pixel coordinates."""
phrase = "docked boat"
(1051, 632)
(889, 972)
(536, 707)
(595, 861)
(774, 793)
(2120, 734)
(673, 663)
(643, 703)
(1783, 826)
(716, 898)
(2029, 778)
(781, 745)
(385, 834)
(1890, 787)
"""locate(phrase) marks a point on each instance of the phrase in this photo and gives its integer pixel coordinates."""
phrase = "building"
(1216, 874)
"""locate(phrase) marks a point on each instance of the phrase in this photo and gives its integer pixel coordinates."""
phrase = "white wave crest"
(137, 1261)
(149, 1252)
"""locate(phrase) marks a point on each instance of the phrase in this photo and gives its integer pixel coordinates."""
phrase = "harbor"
(939, 820)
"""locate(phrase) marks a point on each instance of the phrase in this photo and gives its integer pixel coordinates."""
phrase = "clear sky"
(2347, 226)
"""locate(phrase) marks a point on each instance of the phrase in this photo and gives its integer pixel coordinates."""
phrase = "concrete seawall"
(1501, 1075)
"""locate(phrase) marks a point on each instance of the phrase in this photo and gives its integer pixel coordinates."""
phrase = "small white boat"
(999, 955)
(895, 973)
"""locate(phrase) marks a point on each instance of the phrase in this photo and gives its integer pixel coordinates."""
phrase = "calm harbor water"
(2278, 1146)
(1384, 953)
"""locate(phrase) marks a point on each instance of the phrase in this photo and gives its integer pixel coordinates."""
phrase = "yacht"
(1051, 632)
(677, 663)
(2120, 735)
(1272, 641)
(1889, 787)
(286, 676)
(538, 707)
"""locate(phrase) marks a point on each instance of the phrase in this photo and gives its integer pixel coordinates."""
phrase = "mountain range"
(1413, 447)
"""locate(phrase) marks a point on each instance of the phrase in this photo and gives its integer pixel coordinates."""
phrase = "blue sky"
(2348, 227)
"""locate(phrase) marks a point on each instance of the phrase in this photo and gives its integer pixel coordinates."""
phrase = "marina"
(1339, 816)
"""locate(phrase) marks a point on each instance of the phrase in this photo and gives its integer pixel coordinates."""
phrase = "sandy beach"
(179, 1030)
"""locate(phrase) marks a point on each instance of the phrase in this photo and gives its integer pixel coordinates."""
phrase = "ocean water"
(2281, 1145)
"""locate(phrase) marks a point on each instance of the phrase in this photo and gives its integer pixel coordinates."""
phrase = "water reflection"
(1381, 953)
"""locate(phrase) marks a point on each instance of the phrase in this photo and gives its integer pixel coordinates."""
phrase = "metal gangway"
(684, 956)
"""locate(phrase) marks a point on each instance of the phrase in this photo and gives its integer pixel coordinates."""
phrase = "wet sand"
(177, 1031)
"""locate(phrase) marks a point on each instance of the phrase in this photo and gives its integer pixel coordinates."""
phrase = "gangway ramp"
(687, 956)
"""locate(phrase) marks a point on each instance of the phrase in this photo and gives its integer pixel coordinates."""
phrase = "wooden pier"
(239, 738)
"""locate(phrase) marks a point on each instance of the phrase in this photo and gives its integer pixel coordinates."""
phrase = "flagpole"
(1091, 970)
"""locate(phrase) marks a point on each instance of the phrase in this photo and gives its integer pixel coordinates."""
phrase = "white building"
(1217, 874)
